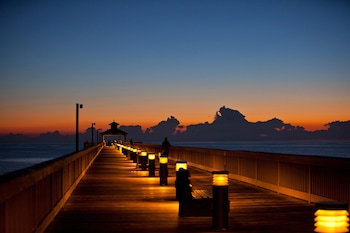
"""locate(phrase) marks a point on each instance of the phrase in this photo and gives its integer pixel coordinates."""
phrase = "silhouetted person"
(165, 147)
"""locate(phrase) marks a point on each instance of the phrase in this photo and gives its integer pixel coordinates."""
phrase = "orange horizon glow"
(69, 128)
(63, 118)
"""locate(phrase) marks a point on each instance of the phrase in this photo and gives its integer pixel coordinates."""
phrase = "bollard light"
(221, 203)
(182, 183)
(143, 153)
(151, 156)
(163, 160)
(143, 160)
(331, 217)
(151, 164)
(180, 164)
(220, 178)
(120, 146)
(163, 170)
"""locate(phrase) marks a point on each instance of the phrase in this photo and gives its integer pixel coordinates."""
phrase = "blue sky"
(285, 59)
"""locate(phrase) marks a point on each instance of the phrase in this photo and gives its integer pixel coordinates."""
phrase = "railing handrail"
(311, 178)
(41, 190)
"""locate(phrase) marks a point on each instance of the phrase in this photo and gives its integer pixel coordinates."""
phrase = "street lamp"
(97, 130)
(92, 134)
(77, 127)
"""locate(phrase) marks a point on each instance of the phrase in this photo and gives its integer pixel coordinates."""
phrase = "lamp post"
(77, 127)
(220, 200)
(97, 130)
(331, 217)
(92, 134)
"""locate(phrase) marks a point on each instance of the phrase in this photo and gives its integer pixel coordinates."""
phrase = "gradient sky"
(139, 62)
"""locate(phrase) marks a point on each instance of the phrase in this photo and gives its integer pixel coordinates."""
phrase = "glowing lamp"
(143, 153)
(180, 164)
(220, 178)
(331, 217)
(163, 159)
(151, 156)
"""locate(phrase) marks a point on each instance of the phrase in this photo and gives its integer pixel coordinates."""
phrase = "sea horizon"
(16, 156)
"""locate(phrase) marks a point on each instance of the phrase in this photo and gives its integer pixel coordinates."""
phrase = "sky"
(140, 62)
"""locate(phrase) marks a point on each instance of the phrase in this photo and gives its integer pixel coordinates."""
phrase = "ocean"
(315, 148)
(14, 156)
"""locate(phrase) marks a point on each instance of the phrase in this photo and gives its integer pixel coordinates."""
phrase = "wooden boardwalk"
(115, 197)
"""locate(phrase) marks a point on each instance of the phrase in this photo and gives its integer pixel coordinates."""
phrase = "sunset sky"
(139, 62)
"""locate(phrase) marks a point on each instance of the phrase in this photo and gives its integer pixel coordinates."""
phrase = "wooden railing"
(30, 198)
(310, 178)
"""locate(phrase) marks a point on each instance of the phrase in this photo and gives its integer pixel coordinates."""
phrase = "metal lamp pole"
(92, 134)
(77, 127)
(97, 134)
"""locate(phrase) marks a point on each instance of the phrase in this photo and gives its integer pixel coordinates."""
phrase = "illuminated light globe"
(220, 178)
(332, 217)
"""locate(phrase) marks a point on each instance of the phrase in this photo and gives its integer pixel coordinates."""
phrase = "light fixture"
(151, 156)
(163, 160)
(331, 217)
(220, 178)
(151, 164)
(143, 153)
(220, 200)
(180, 164)
(143, 160)
(163, 170)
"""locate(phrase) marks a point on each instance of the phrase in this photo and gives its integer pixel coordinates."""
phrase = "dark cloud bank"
(228, 125)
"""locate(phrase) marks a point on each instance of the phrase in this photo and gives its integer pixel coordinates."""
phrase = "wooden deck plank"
(114, 197)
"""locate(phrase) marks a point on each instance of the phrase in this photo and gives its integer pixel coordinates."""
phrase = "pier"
(101, 190)
(114, 197)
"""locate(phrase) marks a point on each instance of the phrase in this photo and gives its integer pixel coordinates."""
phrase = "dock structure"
(115, 196)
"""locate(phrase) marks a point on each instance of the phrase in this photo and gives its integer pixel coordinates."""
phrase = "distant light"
(180, 164)
(151, 156)
(220, 178)
(143, 153)
(331, 217)
(163, 159)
